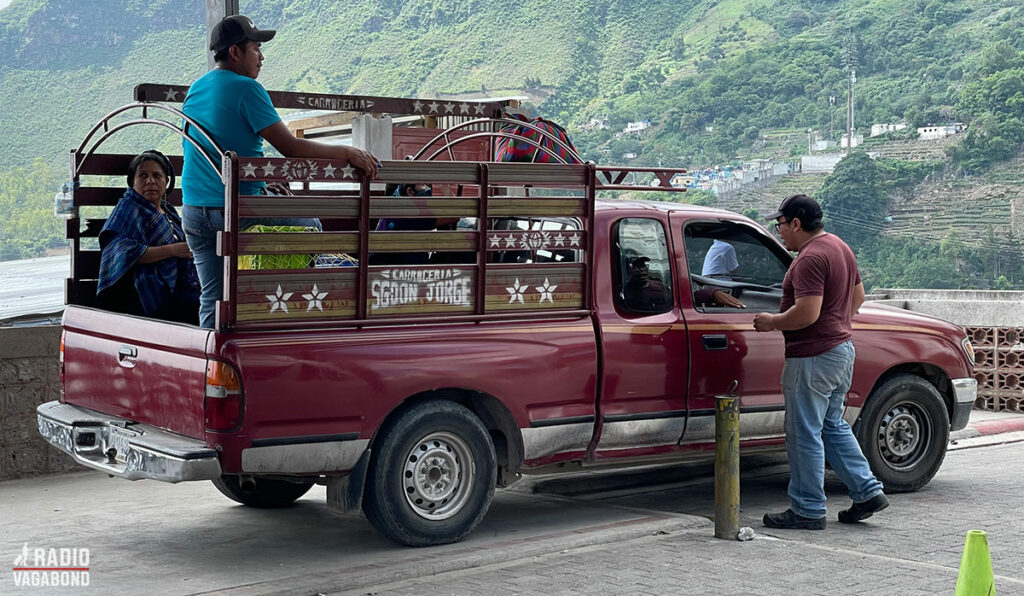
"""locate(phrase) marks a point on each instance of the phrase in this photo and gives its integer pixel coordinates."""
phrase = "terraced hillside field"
(765, 199)
(970, 206)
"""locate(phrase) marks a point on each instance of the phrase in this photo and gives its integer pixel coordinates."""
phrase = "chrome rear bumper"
(121, 448)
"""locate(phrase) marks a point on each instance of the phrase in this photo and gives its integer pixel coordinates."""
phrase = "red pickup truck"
(549, 331)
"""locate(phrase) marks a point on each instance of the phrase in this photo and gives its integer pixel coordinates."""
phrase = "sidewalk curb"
(984, 428)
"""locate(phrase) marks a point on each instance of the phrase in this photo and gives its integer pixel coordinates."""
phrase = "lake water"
(33, 286)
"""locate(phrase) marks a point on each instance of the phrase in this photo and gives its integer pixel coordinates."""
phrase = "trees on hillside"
(27, 224)
(854, 200)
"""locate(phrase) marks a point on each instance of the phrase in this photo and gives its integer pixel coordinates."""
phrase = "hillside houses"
(926, 133)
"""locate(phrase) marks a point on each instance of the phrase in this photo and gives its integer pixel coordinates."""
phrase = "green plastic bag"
(296, 261)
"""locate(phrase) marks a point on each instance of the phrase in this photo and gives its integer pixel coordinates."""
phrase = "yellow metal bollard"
(727, 466)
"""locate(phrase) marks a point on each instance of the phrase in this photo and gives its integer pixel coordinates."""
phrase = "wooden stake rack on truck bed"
(530, 257)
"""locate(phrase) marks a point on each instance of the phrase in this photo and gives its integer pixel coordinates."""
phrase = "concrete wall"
(975, 308)
(28, 377)
(825, 162)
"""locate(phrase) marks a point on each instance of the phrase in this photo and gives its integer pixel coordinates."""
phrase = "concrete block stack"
(999, 369)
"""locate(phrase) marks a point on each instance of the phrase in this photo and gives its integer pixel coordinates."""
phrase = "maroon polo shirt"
(824, 267)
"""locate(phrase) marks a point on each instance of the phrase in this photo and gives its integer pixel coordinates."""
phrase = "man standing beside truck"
(237, 113)
(820, 293)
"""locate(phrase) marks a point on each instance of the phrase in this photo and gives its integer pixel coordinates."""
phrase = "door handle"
(126, 356)
(715, 343)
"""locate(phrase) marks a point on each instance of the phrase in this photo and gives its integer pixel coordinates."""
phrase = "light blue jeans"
(815, 390)
(201, 226)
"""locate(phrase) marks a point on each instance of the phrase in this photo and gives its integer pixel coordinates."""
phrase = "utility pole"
(215, 11)
(831, 117)
(849, 110)
(850, 62)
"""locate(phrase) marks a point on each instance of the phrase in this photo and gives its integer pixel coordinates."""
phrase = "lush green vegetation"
(854, 199)
(720, 80)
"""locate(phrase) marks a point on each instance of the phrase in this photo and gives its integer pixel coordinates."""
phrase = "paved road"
(653, 539)
(32, 286)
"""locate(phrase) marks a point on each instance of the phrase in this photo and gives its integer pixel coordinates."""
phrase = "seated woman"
(145, 266)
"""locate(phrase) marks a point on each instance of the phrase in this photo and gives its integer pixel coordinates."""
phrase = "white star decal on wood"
(464, 107)
(510, 241)
(516, 292)
(171, 95)
(278, 300)
(448, 107)
(574, 240)
(417, 105)
(329, 171)
(249, 170)
(479, 108)
(316, 299)
(559, 240)
(433, 106)
(346, 172)
(495, 240)
(269, 169)
(546, 291)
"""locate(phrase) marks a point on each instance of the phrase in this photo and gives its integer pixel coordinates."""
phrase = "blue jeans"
(201, 226)
(815, 390)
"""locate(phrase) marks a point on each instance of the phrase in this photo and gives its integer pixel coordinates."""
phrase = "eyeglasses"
(778, 224)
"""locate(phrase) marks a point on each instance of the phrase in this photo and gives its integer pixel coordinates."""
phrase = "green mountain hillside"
(710, 75)
(718, 80)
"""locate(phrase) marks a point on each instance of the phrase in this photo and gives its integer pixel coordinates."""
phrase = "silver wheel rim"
(903, 435)
(437, 476)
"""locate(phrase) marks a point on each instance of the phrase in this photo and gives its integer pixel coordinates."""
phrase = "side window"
(737, 259)
(643, 272)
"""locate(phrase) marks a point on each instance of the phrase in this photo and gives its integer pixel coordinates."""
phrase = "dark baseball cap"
(801, 207)
(236, 29)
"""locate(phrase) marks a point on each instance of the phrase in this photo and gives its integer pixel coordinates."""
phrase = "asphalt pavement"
(636, 532)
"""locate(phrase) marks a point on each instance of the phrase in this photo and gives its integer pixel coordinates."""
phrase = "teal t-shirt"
(232, 109)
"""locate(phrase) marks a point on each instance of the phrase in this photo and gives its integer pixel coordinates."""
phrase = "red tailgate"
(151, 372)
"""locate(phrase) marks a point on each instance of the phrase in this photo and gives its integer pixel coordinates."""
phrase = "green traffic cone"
(975, 577)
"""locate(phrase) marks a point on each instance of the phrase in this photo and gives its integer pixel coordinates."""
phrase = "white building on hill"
(927, 133)
(881, 129)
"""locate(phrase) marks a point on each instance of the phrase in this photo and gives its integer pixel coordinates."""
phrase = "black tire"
(264, 494)
(904, 432)
(446, 448)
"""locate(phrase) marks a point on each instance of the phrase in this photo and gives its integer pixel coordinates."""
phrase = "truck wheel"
(432, 475)
(904, 431)
(263, 494)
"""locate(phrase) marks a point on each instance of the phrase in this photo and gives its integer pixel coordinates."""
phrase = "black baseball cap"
(236, 29)
(801, 207)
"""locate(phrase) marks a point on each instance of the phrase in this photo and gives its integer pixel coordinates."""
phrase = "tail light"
(223, 401)
(60, 364)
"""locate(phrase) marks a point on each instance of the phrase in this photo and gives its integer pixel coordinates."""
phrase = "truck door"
(643, 403)
(746, 262)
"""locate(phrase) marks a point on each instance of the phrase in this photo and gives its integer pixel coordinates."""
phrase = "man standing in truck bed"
(820, 293)
(237, 113)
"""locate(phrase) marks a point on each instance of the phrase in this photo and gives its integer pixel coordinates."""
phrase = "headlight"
(968, 349)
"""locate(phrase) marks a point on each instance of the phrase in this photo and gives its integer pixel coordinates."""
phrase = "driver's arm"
(715, 296)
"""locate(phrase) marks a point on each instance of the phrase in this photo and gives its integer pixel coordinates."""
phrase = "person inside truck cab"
(721, 260)
(237, 113)
(145, 266)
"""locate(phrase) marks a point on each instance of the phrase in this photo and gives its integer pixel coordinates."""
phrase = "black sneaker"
(864, 510)
(787, 520)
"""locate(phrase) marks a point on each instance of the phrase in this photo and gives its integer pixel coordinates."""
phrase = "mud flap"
(345, 493)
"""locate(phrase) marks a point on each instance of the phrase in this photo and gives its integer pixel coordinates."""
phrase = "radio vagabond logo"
(61, 567)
